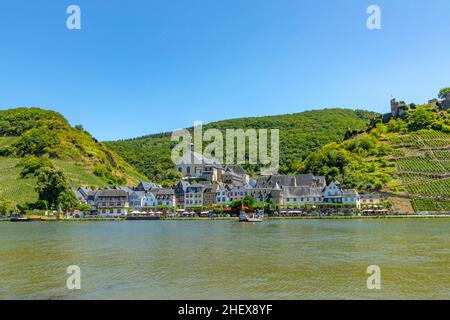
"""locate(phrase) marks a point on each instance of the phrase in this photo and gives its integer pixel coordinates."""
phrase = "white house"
(334, 194)
(137, 199)
(194, 196)
(237, 191)
(165, 197)
(369, 199)
(149, 200)
(302, 195)
(222, 195)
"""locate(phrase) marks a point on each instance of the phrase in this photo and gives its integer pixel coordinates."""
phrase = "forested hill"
(34, 136)
(300, 134)
(407, 158)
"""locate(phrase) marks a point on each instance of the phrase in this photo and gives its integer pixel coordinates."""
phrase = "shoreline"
(267, 219)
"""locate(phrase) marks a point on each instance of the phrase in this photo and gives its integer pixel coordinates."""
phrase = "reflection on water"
(303, 259)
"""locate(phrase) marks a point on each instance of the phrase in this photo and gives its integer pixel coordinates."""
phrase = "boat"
(19, 219)
(144, 216)
(48, 218)
(34, 218)
(244, 217)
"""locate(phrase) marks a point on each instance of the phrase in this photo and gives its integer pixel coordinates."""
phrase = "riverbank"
(361, 217)
(267, 219)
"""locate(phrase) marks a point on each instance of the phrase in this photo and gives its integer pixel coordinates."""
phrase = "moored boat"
(244, 217)
(19, 219)
(143, 216)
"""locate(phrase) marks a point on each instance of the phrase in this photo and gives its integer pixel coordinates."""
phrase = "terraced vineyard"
(22, 190)
(424, 168)
(420, 165)
(430, 205)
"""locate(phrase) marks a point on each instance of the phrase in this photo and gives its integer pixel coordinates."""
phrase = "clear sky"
(145, 66)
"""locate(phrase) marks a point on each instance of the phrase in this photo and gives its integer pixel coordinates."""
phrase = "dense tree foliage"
(107, 175)
(5, 207)
(300, 134)
(44, 133)
(30, 166)
(420, 119)
(443, 92)
(363, 161)
(51, 186)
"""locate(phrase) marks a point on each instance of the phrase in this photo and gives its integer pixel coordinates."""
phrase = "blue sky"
(140, 67)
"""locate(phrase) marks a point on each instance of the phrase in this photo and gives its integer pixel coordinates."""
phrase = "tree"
(83, 207)
(249, 201)
(174, 176)
(37, 141)
(5, 207)
(51, 183)
(32, 165)
(420, 119)
(66, 200)
(443, 92)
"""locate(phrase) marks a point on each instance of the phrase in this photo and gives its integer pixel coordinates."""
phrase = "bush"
(108, 176)
(421, 118)
(32, 165)
(5, 207)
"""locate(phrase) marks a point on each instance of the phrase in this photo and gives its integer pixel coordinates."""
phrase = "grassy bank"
(93, 219)
(362, 217)
(268, 219)
(201, 219)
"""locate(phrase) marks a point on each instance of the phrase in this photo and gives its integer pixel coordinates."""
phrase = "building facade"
(165, 197)
(193, 196)
(112, 202)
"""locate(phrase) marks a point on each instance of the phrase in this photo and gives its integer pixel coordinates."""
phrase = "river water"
(296, 259)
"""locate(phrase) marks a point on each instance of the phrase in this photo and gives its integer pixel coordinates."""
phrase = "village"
(209, 189)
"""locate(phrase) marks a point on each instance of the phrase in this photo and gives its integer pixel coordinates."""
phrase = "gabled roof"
(195, 186)
(303, 191)
(192, 157)
(349, 192)
(164, 191)
(235, 168)
(164, 194)
(147, 185)
(139, 194)
(212, 188)
(112, 193)
(230, 175)
(288, 181)
(126, 189)
(84, 191)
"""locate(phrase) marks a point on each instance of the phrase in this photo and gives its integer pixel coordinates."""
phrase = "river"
(298, 259)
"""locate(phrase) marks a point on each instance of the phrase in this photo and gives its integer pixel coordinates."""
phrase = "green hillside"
(33, 132)
(300, 134)
(407, 158)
